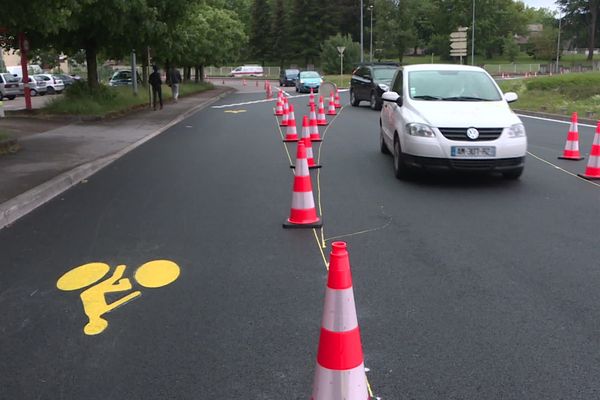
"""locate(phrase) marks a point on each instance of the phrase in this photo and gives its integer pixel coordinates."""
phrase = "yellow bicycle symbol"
(152, 274)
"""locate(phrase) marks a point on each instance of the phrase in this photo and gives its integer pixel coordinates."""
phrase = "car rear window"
(384, 74)
(290, 73)
(310, 74)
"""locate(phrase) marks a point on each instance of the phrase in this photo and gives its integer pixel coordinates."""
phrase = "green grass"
(4, 136)
(78, 100)
(344, 82)
(559, 94)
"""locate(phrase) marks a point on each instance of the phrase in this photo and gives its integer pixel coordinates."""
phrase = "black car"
(288, 77)
(370, 81)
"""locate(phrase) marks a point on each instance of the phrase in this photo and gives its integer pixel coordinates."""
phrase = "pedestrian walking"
(174, 81)
(155, 81)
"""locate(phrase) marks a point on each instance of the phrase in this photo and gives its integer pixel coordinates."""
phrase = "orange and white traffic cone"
(313, 113)
(244, 82)
(571, 151)
(286, 112)
(592, 170)
(338, 104)
(314, 131)
(269, 91)
(305, 137)
(311, 98)
(321, 120)
(331, 110)
(279, 107)
(291, 134)
(303, 213)
(340, 372)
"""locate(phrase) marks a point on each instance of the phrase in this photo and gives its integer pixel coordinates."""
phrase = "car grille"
(461, 134)
(485, 164)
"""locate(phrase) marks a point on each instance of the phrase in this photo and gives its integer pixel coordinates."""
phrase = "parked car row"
(12, 86)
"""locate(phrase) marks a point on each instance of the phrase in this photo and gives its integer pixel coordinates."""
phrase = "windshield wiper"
(427, 97)
(464, 98)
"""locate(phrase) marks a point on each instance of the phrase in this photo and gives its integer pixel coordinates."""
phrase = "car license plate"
(485, 151)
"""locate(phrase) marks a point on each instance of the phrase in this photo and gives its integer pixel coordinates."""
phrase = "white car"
(451, 117)
(53, 83)
(247, 70)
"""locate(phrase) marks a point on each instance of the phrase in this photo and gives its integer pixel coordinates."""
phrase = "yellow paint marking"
(152, 275)
(564, 170)
(234, 111)
(369, 387)
(157, 273)
(321, 250)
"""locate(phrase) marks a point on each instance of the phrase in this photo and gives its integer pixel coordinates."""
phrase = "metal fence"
(519, 69)
(270, 72)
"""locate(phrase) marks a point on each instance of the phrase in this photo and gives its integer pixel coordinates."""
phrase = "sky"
(541, 3)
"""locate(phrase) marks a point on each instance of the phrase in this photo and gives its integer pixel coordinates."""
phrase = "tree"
(544, 45)
(510, 48)
(260, 38)
(330, 57)
(279, 33)
(586, 12)
(393, 28)
(306, 33)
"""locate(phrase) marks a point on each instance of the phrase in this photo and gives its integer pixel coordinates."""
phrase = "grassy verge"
(79, 100)
(559, 94)
(343, 82)
(4, 136)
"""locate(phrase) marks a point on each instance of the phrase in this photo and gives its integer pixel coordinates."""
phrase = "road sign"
(458, 42)
(341, 49)
(458, 45)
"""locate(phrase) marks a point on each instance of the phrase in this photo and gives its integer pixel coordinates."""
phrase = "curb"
(23, 204)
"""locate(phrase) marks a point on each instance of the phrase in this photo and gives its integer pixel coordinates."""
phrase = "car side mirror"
(511, 97)
(392, 97)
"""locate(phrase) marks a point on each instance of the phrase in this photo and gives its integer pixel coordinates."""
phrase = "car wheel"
(33, 92)
(375, 105)
(11, 97)
(401, 171)
(51, 90)
(382, 145)
(513, 174)
(353, 100)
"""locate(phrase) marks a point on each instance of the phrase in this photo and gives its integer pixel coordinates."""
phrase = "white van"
(33, 69)
(247, 70)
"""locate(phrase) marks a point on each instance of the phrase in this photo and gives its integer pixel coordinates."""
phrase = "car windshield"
(383, 74)
(122, 75)
(9, 78)
(309, 74)
(452, 85)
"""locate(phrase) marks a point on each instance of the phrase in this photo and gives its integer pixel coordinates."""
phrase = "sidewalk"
(57, 155)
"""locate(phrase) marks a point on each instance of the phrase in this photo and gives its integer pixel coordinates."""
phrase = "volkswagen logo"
(472, 133)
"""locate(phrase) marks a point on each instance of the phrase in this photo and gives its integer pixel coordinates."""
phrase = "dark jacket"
(174, 76)
(154, 79)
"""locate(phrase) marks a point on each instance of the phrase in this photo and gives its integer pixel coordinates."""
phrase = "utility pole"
(371, 45)
(362, 51)
(558, 42)
(473, 37)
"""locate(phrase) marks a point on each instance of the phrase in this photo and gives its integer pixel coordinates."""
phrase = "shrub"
(330, 57)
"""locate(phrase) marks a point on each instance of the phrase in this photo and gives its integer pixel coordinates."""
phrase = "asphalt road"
(466, 287)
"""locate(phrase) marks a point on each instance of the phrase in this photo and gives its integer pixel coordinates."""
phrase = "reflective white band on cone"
(350, 384)
(301, 168)
(339, 312)
(302, 200)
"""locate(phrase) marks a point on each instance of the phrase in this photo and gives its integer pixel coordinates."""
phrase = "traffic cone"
(338, 104)
(331, 110)
(257, 83)
(279, 107)
(286, 113)
(244, 82)
(305, 137)
(313, 114)
(269, 91)
(291, 134)
(571, 151)
(303, 213)
(314, 131)
(592, 170)
(321, 120)
(223, 82)
(311, 98)
(340, 372)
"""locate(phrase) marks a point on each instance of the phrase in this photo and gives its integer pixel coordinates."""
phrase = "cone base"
(316, 140)
(331, 113)
(589, 177)
(309, 167)
(322, 123)
(290, 225)
(570, 158)
(290, 140)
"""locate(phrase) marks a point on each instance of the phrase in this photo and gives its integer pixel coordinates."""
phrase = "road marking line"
(264, 100)
(555, 120)
(378, 228)
(564, 170)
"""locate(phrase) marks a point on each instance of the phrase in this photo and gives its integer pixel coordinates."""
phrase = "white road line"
(264, 100)
(554, 120)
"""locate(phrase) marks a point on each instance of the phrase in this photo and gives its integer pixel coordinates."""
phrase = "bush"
(330, 57)
(573, 86)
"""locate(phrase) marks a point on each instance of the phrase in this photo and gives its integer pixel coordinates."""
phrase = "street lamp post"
(558, 42)
(371, 31)
(340, 50)
(362, 51)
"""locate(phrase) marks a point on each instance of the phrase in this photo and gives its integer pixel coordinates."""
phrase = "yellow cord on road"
(563, 170)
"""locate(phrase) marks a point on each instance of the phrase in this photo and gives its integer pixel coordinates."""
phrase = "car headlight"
(419, 130)
(302, 81)
(384, 87)
(516, 131)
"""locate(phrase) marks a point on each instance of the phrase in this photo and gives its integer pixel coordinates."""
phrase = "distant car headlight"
(422, 130)
(383, 87)
(515, 131)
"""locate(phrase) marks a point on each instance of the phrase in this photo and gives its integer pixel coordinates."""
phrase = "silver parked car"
(37, 86)
(54, 84)
(9, 86)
